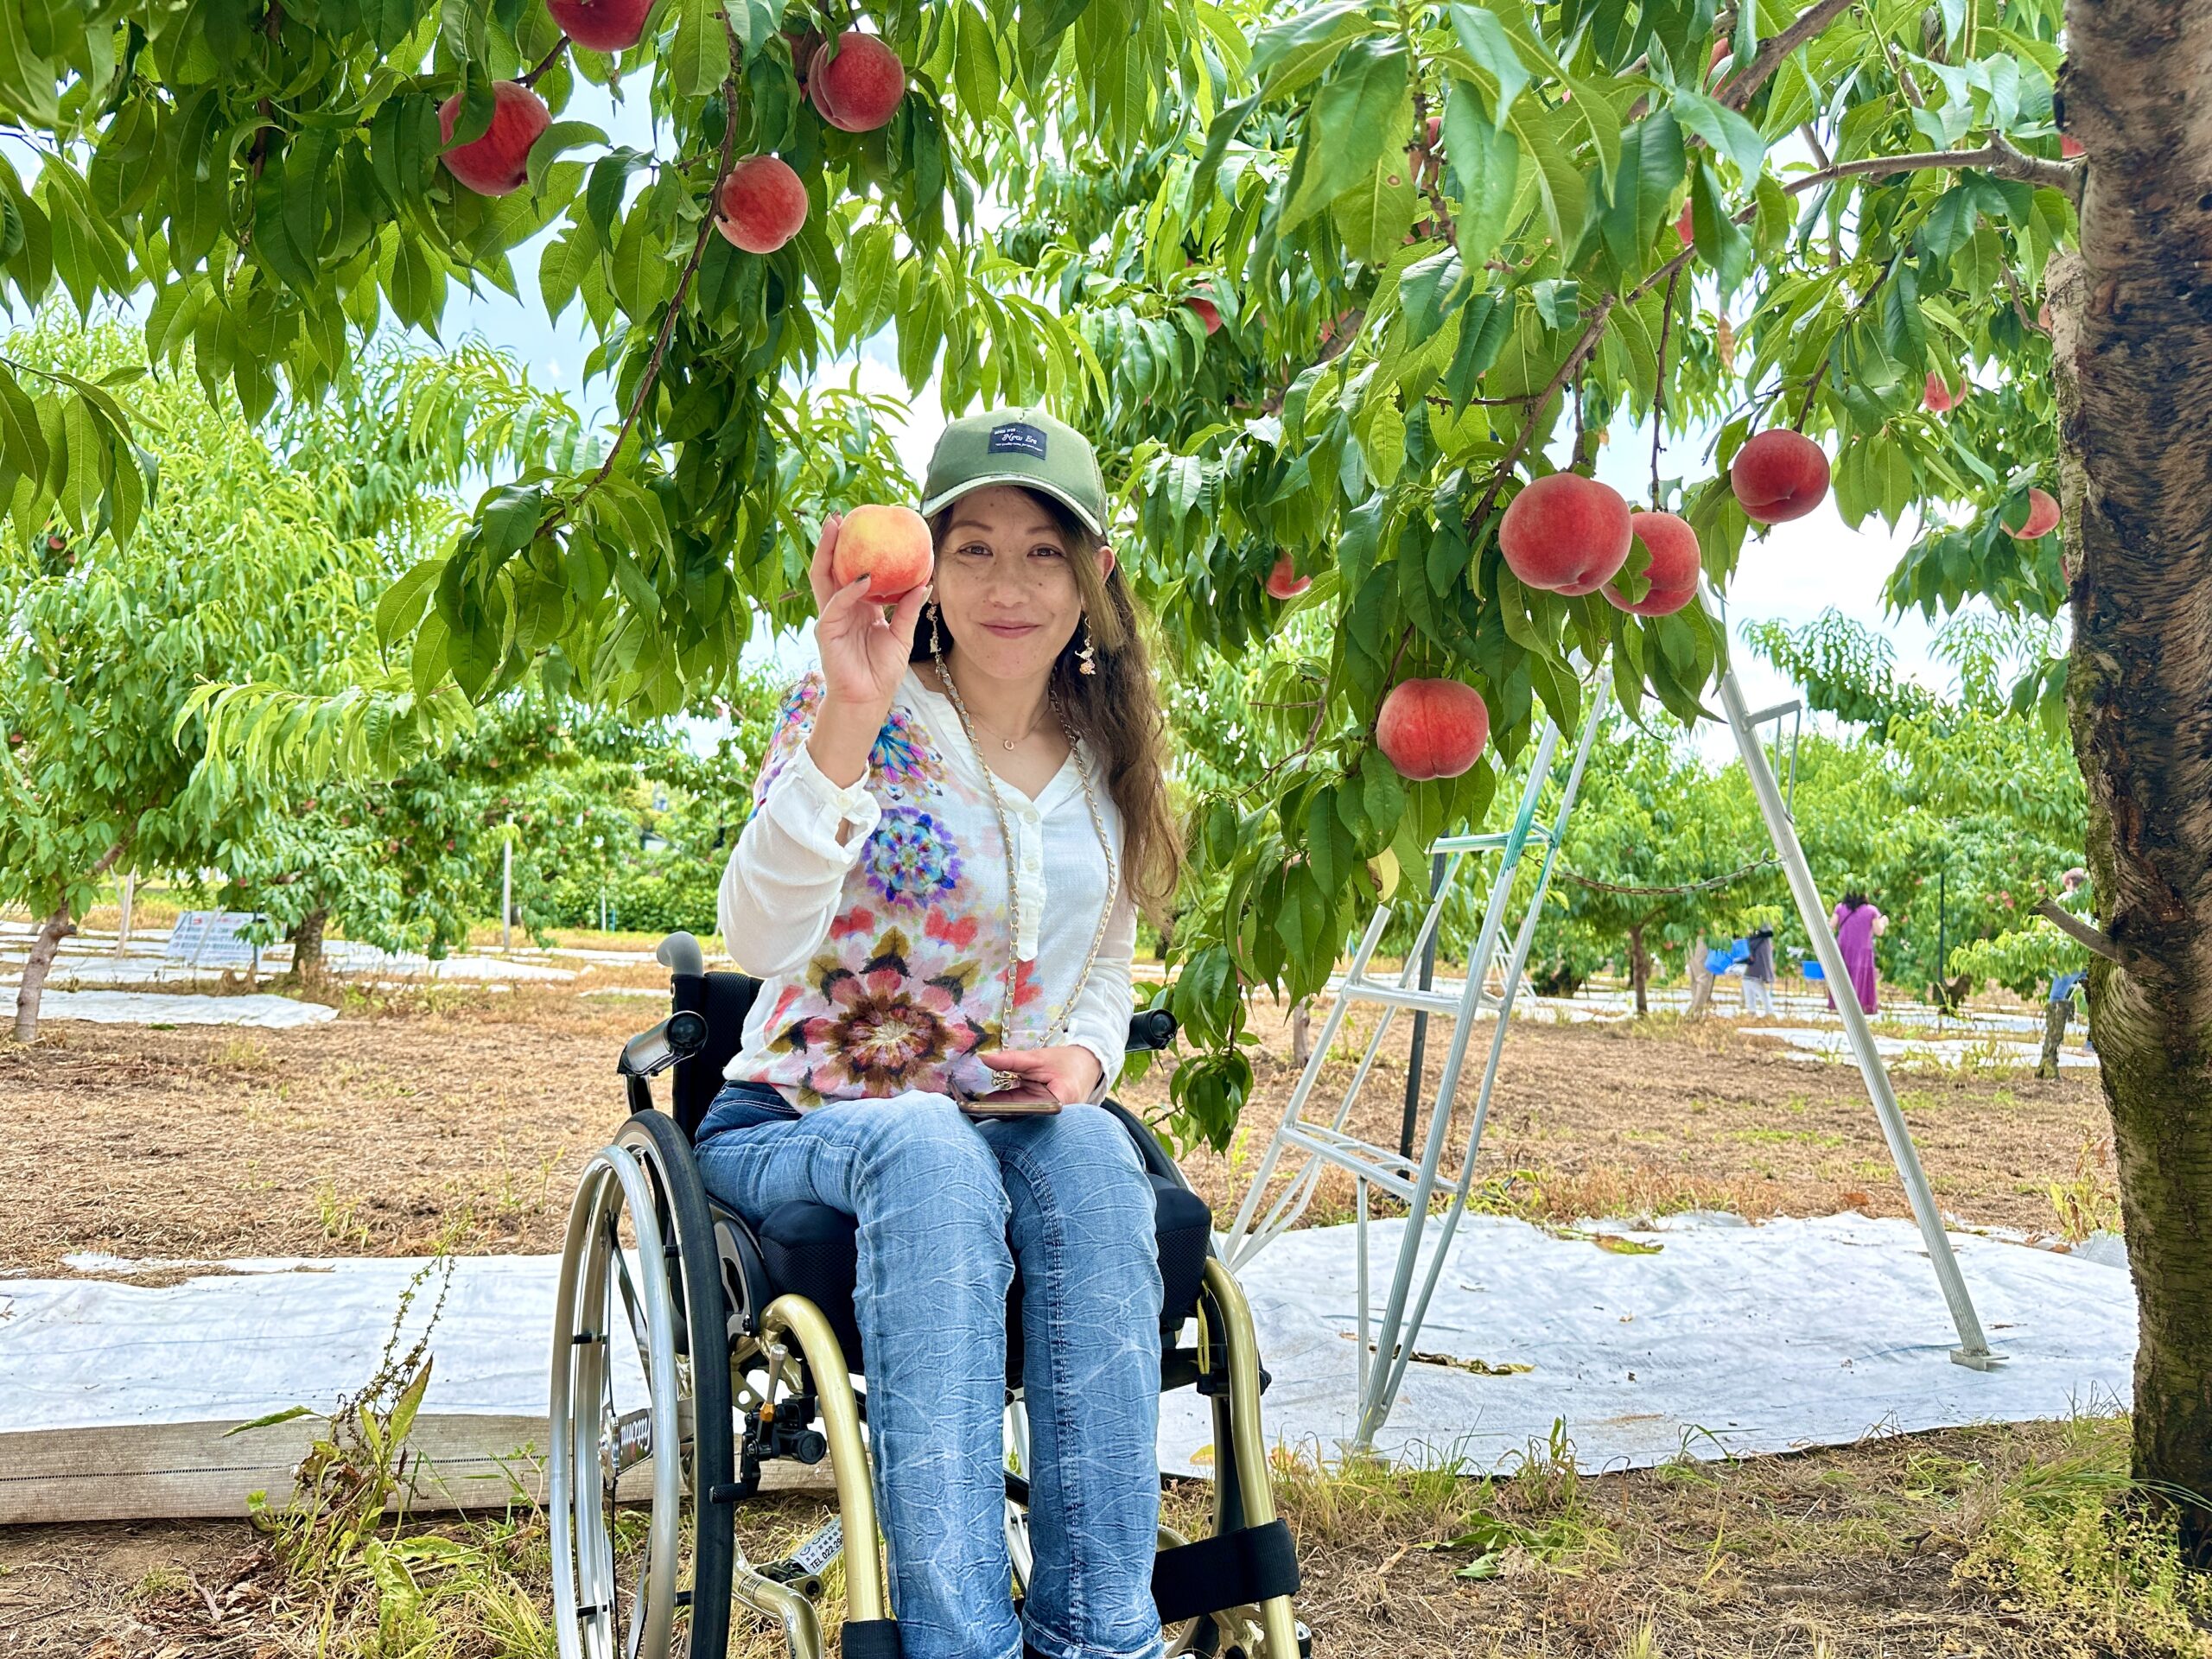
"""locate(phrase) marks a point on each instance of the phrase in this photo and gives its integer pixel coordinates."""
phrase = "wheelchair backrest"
(724, 1000)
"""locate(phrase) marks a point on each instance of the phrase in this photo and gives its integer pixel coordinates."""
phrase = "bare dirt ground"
(460, 1117)
(464, 1113)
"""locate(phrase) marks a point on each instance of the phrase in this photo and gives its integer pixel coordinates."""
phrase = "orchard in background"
(1340, 281)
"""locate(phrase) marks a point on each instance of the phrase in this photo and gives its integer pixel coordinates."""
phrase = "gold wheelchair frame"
(647, 1251)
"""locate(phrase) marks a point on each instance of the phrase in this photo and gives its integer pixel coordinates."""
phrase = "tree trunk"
(1639, 969)
(1301, 1031)
(2133, 350)
(2055, 1020)
(56, 928)
(306, 972)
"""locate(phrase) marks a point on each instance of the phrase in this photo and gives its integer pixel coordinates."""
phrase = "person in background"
(1758, 972)
(2064, 986)
(1857, 923)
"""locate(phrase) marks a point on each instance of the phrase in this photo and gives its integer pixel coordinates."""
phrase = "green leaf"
(1564, 196)
(22, 443)
(1374, 215)
(87, 448)
(1721, 241)
(1288, 53)
(1485, 166)
(1483, 37)
(562, 135)
(1361, 113)
(1722, 128)
(1485, 324)
(698, 61)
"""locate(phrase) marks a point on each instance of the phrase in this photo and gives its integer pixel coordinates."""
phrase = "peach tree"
(1350, 281)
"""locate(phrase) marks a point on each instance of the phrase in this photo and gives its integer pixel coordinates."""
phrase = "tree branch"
(2079, 931)
(545, 62)
(1741, 86)
(1573, 360)
(1998, 157)
(652, 375)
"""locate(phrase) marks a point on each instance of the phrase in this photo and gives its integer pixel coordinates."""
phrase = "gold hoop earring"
(1083, 664)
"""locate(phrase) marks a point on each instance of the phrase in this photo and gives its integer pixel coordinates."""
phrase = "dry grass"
(2014, 1542)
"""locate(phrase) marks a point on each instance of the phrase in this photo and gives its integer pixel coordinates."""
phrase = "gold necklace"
(1013, 889)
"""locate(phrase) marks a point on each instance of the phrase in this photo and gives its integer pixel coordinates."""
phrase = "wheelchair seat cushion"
(810, 1251)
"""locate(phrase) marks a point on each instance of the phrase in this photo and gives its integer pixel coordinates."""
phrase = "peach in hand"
(889, 545)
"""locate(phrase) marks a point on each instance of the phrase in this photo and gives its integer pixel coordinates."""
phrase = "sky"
(1793, 574)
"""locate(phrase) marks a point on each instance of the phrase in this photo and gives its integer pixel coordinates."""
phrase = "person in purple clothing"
(1857, 923)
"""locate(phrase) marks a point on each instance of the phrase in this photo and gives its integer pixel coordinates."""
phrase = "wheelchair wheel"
(640, 1411)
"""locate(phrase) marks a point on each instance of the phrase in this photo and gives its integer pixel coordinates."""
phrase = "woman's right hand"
(864, 650)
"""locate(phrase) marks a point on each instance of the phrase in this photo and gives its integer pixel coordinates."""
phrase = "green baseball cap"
(1025, 446)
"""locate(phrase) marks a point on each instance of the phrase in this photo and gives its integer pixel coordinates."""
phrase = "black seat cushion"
(810, 1251)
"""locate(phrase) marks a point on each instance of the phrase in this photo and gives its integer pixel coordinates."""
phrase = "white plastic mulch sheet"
(172, 1009)
(252, 1336)
(1728, 1338)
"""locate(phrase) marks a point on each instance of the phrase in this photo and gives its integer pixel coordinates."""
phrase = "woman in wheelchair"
(954, 827)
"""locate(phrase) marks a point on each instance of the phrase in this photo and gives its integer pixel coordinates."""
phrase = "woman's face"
(1006, 580)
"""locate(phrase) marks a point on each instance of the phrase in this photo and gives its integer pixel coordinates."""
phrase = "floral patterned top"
(883, 957)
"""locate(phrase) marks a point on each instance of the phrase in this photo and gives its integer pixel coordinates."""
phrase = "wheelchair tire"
(659, 1295)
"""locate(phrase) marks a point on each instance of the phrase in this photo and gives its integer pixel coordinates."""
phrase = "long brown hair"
(1115, 710)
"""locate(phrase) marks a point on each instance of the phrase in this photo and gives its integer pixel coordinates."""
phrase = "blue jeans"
(946, 1207)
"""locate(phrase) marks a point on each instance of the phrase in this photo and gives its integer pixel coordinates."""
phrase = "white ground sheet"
(171, 1008)
(1730, 1338)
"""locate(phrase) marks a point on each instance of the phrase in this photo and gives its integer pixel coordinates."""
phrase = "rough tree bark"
(306, 971)
(32, 990)
(2133, 342)
(56, 927)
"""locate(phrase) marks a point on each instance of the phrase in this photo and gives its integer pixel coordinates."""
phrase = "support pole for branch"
(507, 889)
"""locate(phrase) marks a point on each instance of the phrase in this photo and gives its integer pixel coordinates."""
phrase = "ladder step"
(1447, 1003)
(1374, 1165)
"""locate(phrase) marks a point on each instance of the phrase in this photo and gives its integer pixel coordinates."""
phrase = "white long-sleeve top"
(883, 957)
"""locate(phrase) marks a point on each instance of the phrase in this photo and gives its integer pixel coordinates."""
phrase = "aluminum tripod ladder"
(1411, 1179)
(1416, 1181)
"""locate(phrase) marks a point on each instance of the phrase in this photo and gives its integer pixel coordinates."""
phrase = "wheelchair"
(741, 1349)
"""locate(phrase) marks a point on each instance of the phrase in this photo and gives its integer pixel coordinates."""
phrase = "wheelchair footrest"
(870, 1639)
(1247, 1566)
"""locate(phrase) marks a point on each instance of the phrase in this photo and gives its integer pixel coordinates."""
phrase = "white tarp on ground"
(167, 1008)
(1729, 1338)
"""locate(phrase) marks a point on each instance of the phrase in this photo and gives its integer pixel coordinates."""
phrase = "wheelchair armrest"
(1153, 1028)
(677, 1038)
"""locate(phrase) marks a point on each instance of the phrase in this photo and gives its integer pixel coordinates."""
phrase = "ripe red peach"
(890, 545)
(1206, 311)
(1284, 581)
(1674, 569)
(856, 81)
(602, 25)
(1431, 729)
(1779, 475)
(1567, 533)
(2043, 516)
(496, 164)
(762, 205)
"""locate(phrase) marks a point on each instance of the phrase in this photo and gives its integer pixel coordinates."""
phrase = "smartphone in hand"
(1020, 1101)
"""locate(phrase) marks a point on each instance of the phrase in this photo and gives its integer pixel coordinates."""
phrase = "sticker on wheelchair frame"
(813, 1557)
